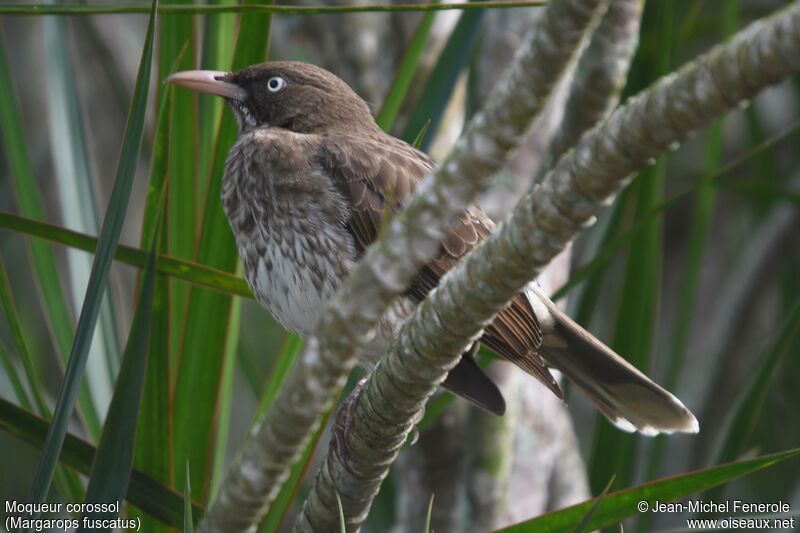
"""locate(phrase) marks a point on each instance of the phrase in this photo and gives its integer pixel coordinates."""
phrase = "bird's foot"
(472, 351)
(345, 418)
(413, 435)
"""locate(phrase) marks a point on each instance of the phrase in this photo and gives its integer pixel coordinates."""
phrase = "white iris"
(275, 84)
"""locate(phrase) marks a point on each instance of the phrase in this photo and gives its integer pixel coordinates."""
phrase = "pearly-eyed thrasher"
(305, 190)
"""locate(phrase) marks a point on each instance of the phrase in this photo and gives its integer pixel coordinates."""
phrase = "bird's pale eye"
(275, 84)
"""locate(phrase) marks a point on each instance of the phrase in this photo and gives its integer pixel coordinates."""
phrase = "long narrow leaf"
(283, 363)
(109, 236)
(619, 505)
(42, 257)
(582, 525)
(197, 390)
(31, 375)
(14, 377)
(176, 51)
(405, 73)
(429, 515)
(614, 453)
(342, 526)
(75, 192)
(443, 78)
(113, 461)
(219, 35)
(279, 509)
(188, 520)
(153, 453)
(170, 266)
(67, 482)
(108, 9)
(226, 395)
(143, 491)
(705, 200)
(741, 421)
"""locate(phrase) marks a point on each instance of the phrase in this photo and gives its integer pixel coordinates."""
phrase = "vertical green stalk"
(107, 245)
(208, 321)
(226, 395)
(75, 185)
(740, 424)
(405, 72)
(761, 164)
(444, 76)
(614, 453)
(701, 220)
(153, 452)
(177, 50)
(67, 482)
(698, 234)
(583, 305)
(292, 344)
(188, 519)
(219, 37)
(13, 376)
(113, 461)
(31, 375)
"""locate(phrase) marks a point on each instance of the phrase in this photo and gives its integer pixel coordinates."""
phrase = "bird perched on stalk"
(305, 189)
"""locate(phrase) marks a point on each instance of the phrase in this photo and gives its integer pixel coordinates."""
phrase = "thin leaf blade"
(143, 491)
(622, 504)
(42, 258)
(189, 271)
(109, 237)
(205, 336)
(113, 460)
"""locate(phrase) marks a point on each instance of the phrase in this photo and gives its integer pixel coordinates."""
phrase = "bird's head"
(283, 94)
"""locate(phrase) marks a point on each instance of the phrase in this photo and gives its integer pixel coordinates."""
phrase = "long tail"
(631, 400)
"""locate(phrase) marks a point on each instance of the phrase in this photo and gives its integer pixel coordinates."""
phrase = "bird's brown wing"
(515, 333)
(379, 176)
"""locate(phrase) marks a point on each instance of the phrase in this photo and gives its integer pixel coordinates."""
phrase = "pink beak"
(207, 81)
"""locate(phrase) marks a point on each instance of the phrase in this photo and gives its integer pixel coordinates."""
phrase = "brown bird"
(305, 189)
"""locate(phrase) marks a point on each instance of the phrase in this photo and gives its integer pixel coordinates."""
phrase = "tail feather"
(630, 400)
(470, 382)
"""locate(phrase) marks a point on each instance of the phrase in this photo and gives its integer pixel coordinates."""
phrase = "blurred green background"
(693, 273)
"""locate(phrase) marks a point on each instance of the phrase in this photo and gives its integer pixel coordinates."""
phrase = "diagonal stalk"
(581, 184)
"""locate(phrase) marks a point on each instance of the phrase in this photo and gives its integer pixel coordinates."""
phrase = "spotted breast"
(289, 226)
